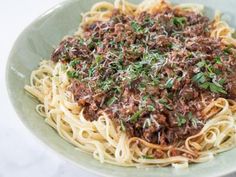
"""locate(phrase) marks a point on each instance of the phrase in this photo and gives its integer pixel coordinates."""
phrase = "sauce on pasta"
(152, 73)
(146, 84)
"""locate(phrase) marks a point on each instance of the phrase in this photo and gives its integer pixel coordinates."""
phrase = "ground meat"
(150, 134)
(69, 49)
(82, 94)
(189, 93)
(231, 86)
(149, 72)
(203, 44)
(90, 114)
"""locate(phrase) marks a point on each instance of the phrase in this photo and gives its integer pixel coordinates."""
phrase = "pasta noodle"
(49, 84)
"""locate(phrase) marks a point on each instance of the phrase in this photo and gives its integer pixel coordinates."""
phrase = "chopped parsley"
(164, 102)
(213, 87)
(217, 89)
(179, 21)
(199, 78)
(72, 74)
(169, 83)
(106, 85)
(112, 43)
(135, 116)
(111, 101)
(151, 107)
(152, 57)
(201, 64)
(206, 79)
(218, 60)
(98, 59)
(73, 63)
(91, 71)
(148, 21)
(136, 27)
(181, 120)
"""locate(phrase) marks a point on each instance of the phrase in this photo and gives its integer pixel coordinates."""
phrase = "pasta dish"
(149, 84)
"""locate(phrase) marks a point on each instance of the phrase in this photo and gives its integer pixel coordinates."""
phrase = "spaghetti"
(105, 137)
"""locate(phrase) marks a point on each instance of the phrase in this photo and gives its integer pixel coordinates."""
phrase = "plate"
(37, 42)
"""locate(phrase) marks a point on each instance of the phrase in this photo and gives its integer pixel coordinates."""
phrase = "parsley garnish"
(199, 78)
(112, 43)
(213, 87)
(98, 59)
(218, 60)
(164, 102)
(144, 98)
(217, 89)
(136, 27)
(181, 120)
(169, 83)
(151, 107)
(152, 57)
(122, 125)
(106, 85)
(111, 101)
(221, 81)
(206, 79)
(91, 71)
(201, 64)
(149, 21)
(116, 90)
(135, 116)
(179, 21)
(155, 81)
(73, 63)
(81, 41)
(72, 74)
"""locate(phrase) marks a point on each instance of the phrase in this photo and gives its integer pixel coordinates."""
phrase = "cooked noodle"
(49, 84)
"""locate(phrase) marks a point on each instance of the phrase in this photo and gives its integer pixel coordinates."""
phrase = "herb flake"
(135, 116)
(181, 120)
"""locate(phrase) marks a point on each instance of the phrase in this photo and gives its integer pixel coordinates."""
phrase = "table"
(21, 154)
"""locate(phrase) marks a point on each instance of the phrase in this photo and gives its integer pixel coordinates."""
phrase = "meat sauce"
(152, 74)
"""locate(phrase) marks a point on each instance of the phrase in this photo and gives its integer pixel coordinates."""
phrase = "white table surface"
(22, 155)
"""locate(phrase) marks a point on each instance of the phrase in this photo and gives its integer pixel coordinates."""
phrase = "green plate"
(37, 42)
